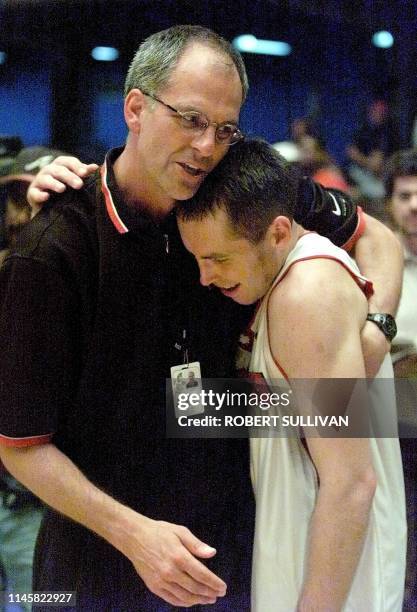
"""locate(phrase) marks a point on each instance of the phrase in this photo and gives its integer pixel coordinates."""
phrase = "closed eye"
(216, 259)
(192, 120)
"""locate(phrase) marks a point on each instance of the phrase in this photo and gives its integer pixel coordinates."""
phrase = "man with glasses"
(116, 302)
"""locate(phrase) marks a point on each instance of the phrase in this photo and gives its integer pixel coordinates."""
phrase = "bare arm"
(163, 554)
(379, 256)
(315, 340)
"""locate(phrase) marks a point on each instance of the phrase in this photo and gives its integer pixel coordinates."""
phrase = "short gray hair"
(158, 55)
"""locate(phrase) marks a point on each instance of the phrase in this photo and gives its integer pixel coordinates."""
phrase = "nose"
(205, 143)
(207, 273)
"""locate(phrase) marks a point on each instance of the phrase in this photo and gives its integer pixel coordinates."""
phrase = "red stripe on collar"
(110, 206)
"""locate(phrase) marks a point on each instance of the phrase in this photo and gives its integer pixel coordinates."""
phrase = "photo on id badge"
(186, 388)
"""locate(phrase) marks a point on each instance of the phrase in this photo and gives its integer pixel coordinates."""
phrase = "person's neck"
(138, 193)
(296, 232)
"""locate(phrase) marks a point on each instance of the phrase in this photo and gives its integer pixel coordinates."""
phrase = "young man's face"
(174, 160)
(241, 270)
(404, 204)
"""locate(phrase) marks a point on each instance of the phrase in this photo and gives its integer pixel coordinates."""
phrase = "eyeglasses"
(226, 133)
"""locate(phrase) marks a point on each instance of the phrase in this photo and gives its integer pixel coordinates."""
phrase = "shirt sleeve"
(37, 364)
(329, 212)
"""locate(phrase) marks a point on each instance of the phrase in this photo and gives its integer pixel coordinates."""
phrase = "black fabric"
(316, 211)
(88, 320)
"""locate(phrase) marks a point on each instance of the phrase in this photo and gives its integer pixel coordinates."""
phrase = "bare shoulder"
(315, 316)
(313, 283)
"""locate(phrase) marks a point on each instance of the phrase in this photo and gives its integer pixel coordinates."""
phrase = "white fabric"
(286, 487)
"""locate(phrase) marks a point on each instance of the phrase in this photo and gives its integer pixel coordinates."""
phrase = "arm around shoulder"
(379, 255)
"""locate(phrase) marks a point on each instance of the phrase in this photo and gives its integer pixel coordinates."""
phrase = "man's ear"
(133, 107)
(280, 230)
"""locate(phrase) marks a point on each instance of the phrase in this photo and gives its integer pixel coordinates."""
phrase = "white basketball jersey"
(285, 484)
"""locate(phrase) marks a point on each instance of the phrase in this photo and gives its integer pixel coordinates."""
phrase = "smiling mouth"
(229, 290)
(193, 170)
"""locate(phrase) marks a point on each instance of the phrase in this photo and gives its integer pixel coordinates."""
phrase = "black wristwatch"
(386, 324)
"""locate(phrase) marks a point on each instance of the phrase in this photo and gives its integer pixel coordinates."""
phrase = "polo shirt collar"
(124, 218)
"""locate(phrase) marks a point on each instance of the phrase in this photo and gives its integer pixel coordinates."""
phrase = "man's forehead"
(201, 69)
(405, 183)
(213, 235)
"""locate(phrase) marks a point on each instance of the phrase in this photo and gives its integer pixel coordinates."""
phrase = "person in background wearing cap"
(106, 292)
(20, 511)
(16, 177)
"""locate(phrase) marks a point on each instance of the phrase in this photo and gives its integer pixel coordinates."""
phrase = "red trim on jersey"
(366, 286)
(110, 206)
(260, 384)
(360, 228)
(279, 366)
(248, 347)
(21, 442)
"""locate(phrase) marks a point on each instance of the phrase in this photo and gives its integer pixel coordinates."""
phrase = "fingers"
(56, 178)
(164, 558)
(194, 545)
(175, 572)
(35, 197)
(184, 598)
(63, 172)
(168, 587)
(73, 164)
(194, 568)
(172, 576)
(170, 597)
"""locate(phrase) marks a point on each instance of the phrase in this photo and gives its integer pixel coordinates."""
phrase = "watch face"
(390, 326)
(386, 324)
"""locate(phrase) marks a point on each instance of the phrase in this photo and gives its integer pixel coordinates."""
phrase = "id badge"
(186, 389)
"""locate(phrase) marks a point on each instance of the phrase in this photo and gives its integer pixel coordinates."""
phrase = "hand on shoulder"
(63, 172)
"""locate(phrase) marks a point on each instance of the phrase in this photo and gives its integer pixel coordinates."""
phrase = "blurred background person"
(15, 177)
(372, 143)
(401, 190)
(318, 164)
(300, 128)
(400, 181)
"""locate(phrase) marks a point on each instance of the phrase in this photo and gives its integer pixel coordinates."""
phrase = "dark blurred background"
(53, 92)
